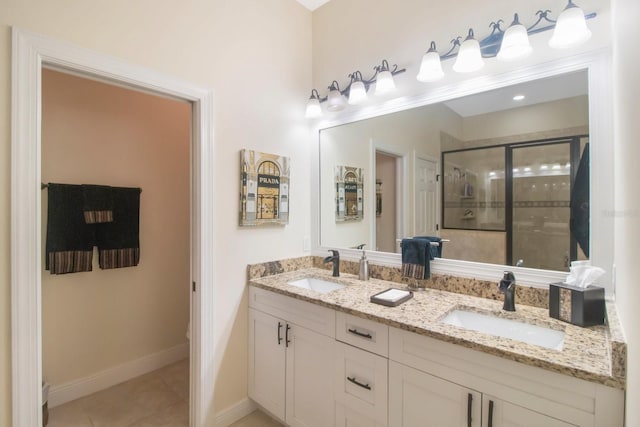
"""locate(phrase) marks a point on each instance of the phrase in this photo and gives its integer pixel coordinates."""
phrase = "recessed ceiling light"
(518, 97)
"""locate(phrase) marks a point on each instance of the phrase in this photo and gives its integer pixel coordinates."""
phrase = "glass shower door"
(540, 236)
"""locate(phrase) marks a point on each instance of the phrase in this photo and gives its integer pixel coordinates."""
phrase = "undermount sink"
(506, 328)
(318, 285)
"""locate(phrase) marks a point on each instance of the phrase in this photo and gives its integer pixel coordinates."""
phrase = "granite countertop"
(594, 354)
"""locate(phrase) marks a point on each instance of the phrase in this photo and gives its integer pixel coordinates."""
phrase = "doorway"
(32, 52)
(109, 322)
(388, 192)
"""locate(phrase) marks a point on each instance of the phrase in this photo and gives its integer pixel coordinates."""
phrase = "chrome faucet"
(335, 259)
(508, 287)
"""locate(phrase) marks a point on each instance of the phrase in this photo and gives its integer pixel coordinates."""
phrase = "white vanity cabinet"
(313, 366)
(291, 346)
(432, 382)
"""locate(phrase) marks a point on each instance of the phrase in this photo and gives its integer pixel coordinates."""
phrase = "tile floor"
(159, 398)
(256, 419)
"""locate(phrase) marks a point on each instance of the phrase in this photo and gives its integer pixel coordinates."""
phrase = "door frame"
(402, 183)
(30, 53)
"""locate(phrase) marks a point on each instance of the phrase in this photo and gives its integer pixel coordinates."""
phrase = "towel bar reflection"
(431, 243)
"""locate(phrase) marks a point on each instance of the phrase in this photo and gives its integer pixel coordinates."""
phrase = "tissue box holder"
(580, 306)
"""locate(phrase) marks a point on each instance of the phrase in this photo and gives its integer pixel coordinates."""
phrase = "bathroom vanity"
(320, 358)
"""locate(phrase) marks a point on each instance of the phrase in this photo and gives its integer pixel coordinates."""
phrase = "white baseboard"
(81, 387)
(234, 413)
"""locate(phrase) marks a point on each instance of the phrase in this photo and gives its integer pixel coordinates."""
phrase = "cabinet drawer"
(302, 313)
(367, 334)
(361, 381)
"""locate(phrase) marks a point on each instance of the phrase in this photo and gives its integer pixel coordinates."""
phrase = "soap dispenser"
(364, 267)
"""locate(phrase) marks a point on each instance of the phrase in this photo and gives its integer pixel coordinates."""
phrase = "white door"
(498, 413)
(417, 399)
(310, 401)
(267, 358)
(426, 190)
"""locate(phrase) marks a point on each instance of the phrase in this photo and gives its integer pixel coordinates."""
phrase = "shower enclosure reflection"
(523, 209)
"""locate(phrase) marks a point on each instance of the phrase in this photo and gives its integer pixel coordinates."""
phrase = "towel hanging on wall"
(415, 258)
(119, 241)
(83, 216)
(70, 240)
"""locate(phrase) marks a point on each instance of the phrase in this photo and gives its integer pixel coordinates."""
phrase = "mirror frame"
(597, 65)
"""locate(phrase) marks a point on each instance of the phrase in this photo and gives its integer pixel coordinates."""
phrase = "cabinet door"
(499, 413)
(309, 390)
(267, 354)
(347, 417)
(419, 399)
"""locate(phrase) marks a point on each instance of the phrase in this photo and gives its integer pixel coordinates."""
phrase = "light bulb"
(469, 56)
(430, 67)
(571, 28)
(313, 106)
(335, 100)
(515, 42)
(313, 109)
(357, 93)
(385, 83)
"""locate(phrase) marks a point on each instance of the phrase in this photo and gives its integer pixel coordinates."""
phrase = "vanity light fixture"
(356, 91)
(430, 67)
(313, 106)
(469, 55)
(384, 82)
(335, 100)
(515, 42)
(570, 30)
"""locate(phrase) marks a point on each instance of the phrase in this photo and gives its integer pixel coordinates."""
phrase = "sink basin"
(318, 285)
(507, 328)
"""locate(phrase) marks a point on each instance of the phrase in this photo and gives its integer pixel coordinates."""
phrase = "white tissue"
(583, 274)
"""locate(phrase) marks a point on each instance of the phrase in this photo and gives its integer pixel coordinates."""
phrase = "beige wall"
(534, 119)
(98, 134)
(256, 57)
(627, 175)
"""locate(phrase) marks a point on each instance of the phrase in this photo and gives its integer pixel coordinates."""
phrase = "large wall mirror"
(501, 177)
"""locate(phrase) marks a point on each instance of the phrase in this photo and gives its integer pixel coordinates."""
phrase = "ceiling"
(535, 92)
(312, 4)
